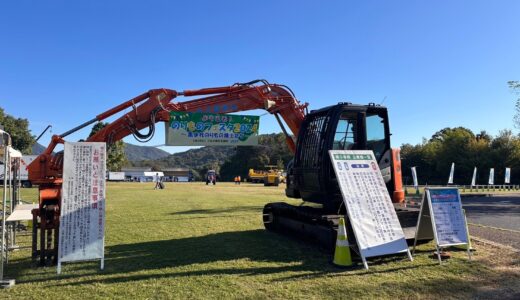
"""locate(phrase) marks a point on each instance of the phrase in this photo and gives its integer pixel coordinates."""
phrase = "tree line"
(272, 150)
(433, 157)
(18, 128)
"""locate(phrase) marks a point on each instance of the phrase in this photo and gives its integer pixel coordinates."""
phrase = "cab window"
(376, 135)
(345, 135)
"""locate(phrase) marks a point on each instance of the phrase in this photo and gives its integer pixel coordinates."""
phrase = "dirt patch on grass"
(504, 262)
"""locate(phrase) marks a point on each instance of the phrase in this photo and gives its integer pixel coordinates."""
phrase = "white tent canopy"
(154, 174)
(13, 153)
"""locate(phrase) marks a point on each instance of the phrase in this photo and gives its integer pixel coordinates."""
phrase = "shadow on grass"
(220, 210)
(185, 218)
(230, 212)
(157, 256)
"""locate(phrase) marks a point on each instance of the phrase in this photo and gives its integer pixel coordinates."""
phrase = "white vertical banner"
(82, 215)
(452, 171)
(507, 180)
(414, 176)
(474, 178)
(491, 176)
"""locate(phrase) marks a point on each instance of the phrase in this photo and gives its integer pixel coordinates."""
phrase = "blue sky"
(437, 63)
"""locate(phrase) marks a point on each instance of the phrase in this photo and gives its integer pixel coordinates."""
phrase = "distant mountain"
(37, 149)
(133, 152)
(193, 158)
(198, 158)
(138, 153)
(229, 161)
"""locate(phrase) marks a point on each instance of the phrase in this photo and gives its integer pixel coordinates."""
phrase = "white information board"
(369, 207)
(442, 218)
(82, 215)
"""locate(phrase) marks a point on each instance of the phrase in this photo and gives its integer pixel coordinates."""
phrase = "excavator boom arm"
(276, 99)
(155, 106)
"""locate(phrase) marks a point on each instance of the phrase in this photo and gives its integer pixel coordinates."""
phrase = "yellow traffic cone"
(342, 256)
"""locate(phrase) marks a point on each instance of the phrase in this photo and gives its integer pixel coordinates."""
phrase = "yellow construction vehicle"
(272, 177)
(256, 176)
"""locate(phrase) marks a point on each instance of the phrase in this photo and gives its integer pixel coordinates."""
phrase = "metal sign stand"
(364, 260)
(427, 212)
(6, 143)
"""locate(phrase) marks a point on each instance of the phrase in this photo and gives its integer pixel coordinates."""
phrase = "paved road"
(507, 238)
(497, 211)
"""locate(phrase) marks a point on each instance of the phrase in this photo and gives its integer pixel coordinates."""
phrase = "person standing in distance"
(157, 182)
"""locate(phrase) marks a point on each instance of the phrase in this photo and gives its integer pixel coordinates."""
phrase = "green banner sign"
(352, 156)
(203, 129)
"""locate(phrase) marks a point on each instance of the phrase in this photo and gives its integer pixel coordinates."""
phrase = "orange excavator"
(309, 175)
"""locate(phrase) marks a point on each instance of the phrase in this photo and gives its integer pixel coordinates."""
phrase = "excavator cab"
(311, 177)
(343, 126)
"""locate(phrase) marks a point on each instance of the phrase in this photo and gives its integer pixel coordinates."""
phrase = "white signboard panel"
(442, 217)
(82, 216)
(448, 217)
(507, 178)
(369, 207)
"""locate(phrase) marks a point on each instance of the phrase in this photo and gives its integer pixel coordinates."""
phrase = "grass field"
(198, 241)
